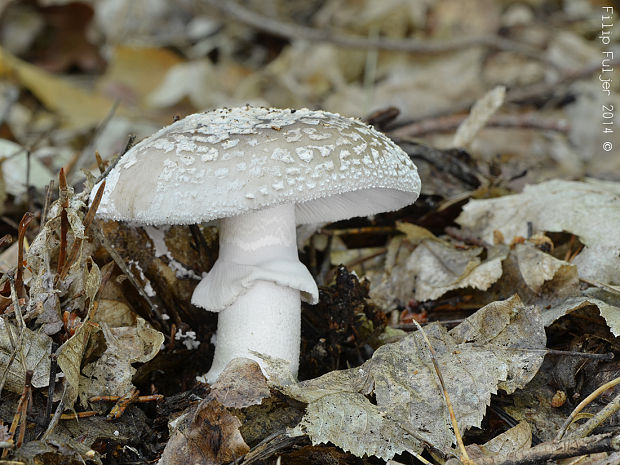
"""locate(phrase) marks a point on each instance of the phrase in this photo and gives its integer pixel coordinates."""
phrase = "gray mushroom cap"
(227, 162)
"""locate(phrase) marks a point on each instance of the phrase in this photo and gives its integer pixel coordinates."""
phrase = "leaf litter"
(554, 246)
(476, 360)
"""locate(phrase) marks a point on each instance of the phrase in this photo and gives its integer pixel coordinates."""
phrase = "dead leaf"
(35, 350)
(206, 434)
(77, 107)
(18, 169)
(517, 438)
(438, 268)
(241, 384)
(408, 408)
(70, 356)
(586, 209)
(112, 373)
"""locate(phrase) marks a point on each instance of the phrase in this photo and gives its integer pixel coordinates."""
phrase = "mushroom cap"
(226, 162)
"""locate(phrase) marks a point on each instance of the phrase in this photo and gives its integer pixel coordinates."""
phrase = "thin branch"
(459, 439)
(288, 30)
(451, 122)
(555, 451)
(583, 404)
(598, 419)
(517, 94)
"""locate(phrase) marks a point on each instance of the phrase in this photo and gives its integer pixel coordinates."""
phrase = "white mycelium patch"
(229, 161)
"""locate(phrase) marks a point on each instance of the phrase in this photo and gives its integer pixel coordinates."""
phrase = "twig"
(64, 221)
(607, 287)
(5, 240)
(78, 415)
(81, 159)
(113, 163)
(294, 31)
(19, 277)
(57, 414)
(451, 122)
(52, 382)
(77, 242)
(518, 94)
(360, 230)
(459, 439)
(584, 403)
(48, 201)
(555, 451)
(96, 231)
(598, 419)
(19, 419)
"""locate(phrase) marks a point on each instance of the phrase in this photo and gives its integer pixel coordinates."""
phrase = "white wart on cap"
(260, 170)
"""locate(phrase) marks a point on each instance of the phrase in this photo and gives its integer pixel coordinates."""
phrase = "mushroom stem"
(266, 319)
(255, 284)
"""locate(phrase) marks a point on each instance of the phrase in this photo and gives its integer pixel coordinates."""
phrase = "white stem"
(267, 320)
(255, 285)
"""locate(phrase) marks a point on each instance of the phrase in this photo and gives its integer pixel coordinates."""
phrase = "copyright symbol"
(607, 146)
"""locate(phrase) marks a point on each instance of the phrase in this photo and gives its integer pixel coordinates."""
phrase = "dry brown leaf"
(586, 209)
(77, 107)
(112, 373)
(206, 434)
(517, 438)
(34, 349)
(241, 384)
(409, 409)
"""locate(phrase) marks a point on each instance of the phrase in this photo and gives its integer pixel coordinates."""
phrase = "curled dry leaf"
(517, 438)
(207, 434)
(35, 350)
(475, 360)
(586, 209)
(433, 268)
(241, 384)
(41, 258)
(112, 373)
(553, 285)
(438, 267)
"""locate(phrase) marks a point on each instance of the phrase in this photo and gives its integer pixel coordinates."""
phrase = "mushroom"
(259, 171)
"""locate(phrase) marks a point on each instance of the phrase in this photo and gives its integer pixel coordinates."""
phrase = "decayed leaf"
(35, 348)
(433, 268)
(206, 434)
(112, 373)
(516, 439)
(553, 285)
(608, 305)
(70, 356)
(354, 424)
(475, 361)
(586, 209)
(438, 268)
(241, 384)
(74, 350)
